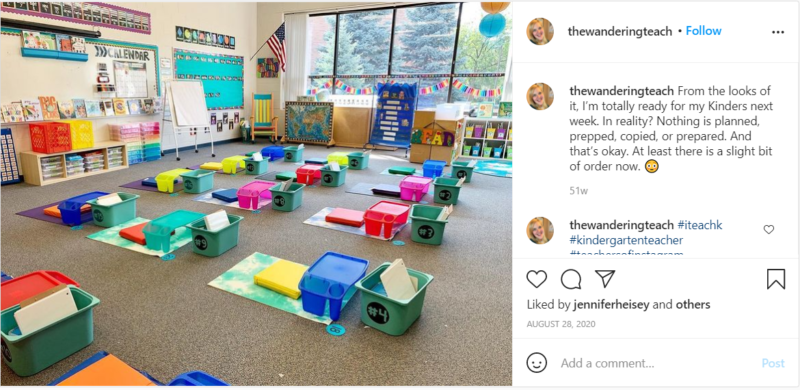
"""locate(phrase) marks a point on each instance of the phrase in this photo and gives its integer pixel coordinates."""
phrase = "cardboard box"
(444, 153)
(419, 153)
(423, 118)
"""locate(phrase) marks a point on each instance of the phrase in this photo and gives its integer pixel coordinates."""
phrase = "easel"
(195, 122)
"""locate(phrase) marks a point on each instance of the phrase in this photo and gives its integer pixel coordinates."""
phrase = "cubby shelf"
(32, 167)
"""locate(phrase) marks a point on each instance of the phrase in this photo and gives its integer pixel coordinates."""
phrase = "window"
(424, 39)
(323, 36)
(352, 51)
(364, 43)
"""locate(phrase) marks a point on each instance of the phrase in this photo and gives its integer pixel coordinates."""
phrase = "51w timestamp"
(578, 191)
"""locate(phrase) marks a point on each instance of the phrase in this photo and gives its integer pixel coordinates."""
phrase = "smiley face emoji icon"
(537, 362)
(651, 166)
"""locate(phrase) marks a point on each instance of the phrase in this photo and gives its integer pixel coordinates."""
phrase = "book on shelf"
(32, 109)
(505, 110)
(108, 107)
(49, 108)
(134, 106)
(93, 108)
(78, 45)
(148, 106)
(120, 107)
(66, 110)
(64, 42)
(13, 113)
(80, 108)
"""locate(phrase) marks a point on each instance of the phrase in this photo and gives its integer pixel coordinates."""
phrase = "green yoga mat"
(239, 281)
(111, 236)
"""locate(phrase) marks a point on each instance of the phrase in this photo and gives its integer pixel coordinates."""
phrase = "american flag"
(276, 43)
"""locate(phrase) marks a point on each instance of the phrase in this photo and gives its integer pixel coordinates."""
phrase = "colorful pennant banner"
(432, 89)
(457, 84)
(313, 91)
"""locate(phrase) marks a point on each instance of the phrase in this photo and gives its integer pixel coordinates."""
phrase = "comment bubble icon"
(571, 279)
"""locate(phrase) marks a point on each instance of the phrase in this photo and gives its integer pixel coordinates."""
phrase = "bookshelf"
(32, 167)
(487, 138)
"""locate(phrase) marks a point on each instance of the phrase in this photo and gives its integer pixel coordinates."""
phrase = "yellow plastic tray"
(282, 277)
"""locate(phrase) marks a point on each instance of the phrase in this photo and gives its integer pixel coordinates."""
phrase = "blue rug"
(501, 168)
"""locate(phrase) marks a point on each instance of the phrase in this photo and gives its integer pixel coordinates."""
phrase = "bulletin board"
(222, 76)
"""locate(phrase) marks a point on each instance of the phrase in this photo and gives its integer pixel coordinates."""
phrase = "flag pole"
(259, 49)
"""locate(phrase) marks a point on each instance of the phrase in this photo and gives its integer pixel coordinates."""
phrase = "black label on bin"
(328, 178)
(200, 242)
(251, 167)
(445, 195)
(289, 156)
(426, 232)
(353, 163)
(280, 201)
(377, 313)
(188, 184)
(6, 352)
(98, 215)
(461, 174)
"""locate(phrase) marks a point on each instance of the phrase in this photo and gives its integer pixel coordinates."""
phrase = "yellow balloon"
(494, 8)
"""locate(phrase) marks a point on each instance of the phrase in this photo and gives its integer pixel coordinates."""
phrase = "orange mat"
(108, 371)
(53, 211)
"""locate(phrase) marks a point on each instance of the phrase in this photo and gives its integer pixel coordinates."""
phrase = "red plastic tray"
(23, 287)
(346, 217)
(135, 233)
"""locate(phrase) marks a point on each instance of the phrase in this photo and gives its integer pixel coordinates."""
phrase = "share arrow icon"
(606, 275)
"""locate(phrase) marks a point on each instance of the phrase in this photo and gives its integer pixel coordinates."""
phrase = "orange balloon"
(494, 8)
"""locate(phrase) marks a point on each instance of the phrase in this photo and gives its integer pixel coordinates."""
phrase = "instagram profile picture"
(540, 230)
(540, 31)
(540, 96)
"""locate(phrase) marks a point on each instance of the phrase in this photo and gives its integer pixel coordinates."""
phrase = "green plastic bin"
(198, 181)
(288, 200)
(445, 190)
(116, 214)
(387, 315)
(292, 154)
(425, 227)
(462, 171)
(253, 167)
(333, 178)
(358, 160)
(33, 352)
(213, 244)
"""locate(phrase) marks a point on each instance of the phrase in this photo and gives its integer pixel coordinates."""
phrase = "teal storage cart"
(198, 181)
(426, 228)
(445, 190)
(461, 170)
(330, 178)
(387, 315)
(359, 160)
(288, 200)
(33, 352)
(115, 214)
(253, 167)
(293, 154)
(213, 244)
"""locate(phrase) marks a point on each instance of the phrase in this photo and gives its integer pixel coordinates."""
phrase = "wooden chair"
(262, 121)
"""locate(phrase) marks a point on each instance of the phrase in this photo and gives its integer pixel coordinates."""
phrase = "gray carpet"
(161, 317)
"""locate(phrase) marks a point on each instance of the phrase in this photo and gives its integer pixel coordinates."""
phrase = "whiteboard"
(188, 101)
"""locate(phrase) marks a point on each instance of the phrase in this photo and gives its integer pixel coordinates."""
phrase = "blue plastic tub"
(330, 278)
(272, 152)
(196, 378)
(71, 208)
(6, 277)
(433, 168)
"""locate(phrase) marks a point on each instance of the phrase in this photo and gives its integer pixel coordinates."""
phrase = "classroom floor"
(162, 317)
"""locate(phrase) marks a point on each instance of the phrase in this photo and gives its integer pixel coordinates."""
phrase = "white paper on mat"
(189, 102)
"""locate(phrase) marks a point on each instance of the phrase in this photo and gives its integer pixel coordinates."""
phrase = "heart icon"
(769, 228)
(537, 278)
